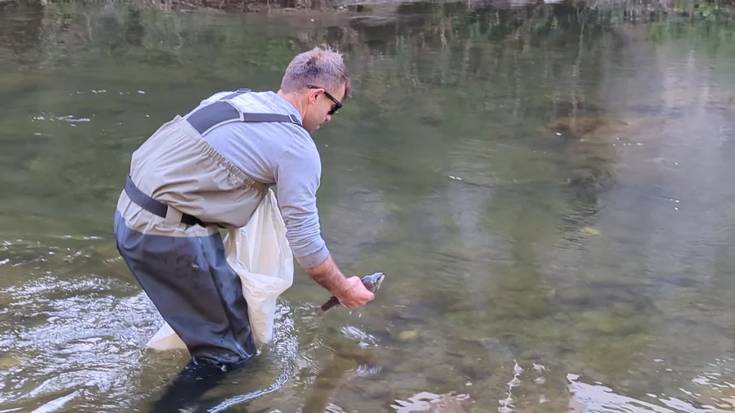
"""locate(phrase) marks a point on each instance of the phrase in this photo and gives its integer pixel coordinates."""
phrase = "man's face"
(320, 103)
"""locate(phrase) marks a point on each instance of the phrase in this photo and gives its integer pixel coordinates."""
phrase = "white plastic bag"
(165, 339)
(259, 253)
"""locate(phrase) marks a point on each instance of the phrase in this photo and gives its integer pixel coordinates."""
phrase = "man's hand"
(350, 292)
(355, 294)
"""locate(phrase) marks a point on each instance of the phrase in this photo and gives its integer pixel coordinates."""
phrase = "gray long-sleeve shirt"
(279, 154)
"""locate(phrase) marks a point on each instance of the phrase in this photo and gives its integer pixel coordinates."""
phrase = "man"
(212, 168)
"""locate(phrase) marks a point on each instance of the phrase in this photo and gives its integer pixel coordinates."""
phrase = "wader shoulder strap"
(223, 112)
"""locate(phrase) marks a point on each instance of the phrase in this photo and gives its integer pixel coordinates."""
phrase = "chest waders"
(186, 274)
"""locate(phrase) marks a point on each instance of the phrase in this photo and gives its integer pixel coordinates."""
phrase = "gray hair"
(318, 67)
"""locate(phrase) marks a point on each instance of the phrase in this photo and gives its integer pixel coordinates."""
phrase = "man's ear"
(313, 95)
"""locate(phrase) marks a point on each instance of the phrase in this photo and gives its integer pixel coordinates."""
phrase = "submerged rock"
(9, 361)
(576, 126)
(595, 129)
(373, 21)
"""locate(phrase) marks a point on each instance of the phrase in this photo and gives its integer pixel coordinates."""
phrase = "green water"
(548, 189)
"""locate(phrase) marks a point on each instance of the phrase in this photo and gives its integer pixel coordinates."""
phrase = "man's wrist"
(328, 275)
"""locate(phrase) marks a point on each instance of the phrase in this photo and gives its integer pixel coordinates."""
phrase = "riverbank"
(646, 10)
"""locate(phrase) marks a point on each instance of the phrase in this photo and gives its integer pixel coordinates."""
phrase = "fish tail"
(330, 303)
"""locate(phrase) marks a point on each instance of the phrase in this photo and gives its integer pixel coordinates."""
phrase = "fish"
(371, 282)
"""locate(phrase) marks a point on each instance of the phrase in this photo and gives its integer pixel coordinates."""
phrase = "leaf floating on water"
(591, 231)
(408, 335)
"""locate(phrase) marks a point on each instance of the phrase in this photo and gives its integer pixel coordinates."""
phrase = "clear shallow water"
(547, 190)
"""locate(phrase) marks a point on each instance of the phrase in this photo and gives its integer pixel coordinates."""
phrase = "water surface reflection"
(544, 184)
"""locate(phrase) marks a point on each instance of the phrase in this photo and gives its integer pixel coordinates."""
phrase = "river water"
(548, 189)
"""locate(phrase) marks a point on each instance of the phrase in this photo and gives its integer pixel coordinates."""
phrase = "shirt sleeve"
(297, 176)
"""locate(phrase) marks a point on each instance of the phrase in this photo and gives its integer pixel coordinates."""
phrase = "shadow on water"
(190, 389)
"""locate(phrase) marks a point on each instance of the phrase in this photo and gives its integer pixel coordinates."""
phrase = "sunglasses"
(337, 104)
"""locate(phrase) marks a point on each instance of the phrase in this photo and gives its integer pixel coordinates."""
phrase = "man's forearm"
(328, 275)
(350, 292)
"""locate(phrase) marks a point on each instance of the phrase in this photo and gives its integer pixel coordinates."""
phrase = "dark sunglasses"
(337, 104)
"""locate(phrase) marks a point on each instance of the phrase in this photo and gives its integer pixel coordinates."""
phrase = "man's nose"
(329, 117)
